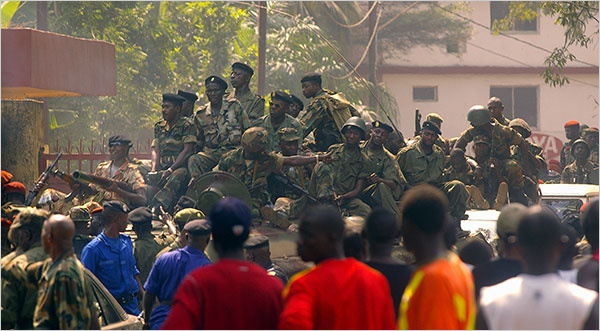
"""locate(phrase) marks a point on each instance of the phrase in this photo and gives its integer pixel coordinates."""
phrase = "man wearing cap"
(296, 107)
(174, 142)
(248, 298)
(582, 170)
(325, 114)
(110, 258)
(423, 162)
(171, 268)
(80, 215)
(220, 124)
(257, 250)
(590, 135)
(14, 192)
(278, 118)
(18, 295)
(386, 183)
(146, 244)
(187, 109)
(495, 106)
(501, 138)
(489, 187)
(253, 104)
(180, 219)
(442, 142)
(572, 133)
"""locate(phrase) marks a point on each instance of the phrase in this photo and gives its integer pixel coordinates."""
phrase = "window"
(500, 9)
(424, 93)
(519, 102)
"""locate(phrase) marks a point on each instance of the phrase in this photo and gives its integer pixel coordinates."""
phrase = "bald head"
(57, 234)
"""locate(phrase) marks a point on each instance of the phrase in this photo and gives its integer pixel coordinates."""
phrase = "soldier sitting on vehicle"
(531, 166)
(442, 142)
(488, 181)
(257, 250)
(278, 118)
(582, 170)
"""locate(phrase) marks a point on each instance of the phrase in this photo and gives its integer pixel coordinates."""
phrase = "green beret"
(187, 95)
(380, 124)
(140, 215)
(288, 134)
(198, 227)
(174, 98)
(30, 218)
(243, 67)
(311, 77)
(217, 80)
(188, 214)
(256, 242)
(281, 96)
(297, 100)
(429, 125)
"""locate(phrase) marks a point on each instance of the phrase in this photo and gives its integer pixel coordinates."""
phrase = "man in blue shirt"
(110, 258)
(170, 269)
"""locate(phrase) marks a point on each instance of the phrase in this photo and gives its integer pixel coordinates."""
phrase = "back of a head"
(508, 222)
(570, 239)
(426, 207)
(354, 245)
(475, 251)
(539, 231)
(325, 218)
(381, 226)
(231, 221)
(590, 224)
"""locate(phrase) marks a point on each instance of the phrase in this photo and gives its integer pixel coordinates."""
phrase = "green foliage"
(8, 11)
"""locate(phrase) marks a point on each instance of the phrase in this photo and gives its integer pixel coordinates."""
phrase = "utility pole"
(262, 45)
(42, 15)
(372, 60)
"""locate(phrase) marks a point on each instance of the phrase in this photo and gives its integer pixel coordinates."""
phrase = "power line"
(355, 24)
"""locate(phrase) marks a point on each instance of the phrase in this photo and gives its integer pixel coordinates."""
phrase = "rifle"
(288, 182)
(417, 122)
(84, 188)
(100, 181)
(40, 183)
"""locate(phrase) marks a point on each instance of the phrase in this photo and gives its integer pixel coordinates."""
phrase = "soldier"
(386, 182)
(495, 106)
(532, 167)
(253, 104)
(442, 142)
(181, 218)
(187, 108)
(278, 118)
(174, 142)
(582, 170)
(252, 163)
(500, 138)
(65, 300)
(590, 135)
(257, 250)
(296, 107)
(146, 244)
(81, 217)
(572, 133)
(14, 193)
(220, 125)
(325, 114)
(18, 295)
(459, 168)
(489, 186)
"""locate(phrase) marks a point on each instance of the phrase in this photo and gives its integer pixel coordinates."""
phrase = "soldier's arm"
(461, 142)
(149, 299)
(155, 157)
(298, 160)
(360, 185)
(188, 149)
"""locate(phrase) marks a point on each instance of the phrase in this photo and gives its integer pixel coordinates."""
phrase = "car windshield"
(564, 208)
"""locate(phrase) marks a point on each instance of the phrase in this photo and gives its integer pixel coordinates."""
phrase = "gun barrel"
(97, 180)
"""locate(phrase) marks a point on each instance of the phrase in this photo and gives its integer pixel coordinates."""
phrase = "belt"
(165, 302)
(125, 299)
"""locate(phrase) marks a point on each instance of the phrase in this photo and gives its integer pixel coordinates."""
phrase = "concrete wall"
(22, 137)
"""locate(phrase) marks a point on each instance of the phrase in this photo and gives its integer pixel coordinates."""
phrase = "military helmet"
(80, 214)
(255, 139)
(357, 122)
(519, 122)
(577, 142)
(479, 115)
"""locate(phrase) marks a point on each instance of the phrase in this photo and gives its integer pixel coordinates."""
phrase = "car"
(483, 221)
(112, 315)
(566, 201)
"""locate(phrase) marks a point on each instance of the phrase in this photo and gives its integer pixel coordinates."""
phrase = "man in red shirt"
(339, 293)
(232, 293)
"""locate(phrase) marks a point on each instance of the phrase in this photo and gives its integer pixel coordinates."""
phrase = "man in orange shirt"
(441, 284)
(338, 293)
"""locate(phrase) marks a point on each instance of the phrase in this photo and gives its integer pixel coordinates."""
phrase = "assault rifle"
(417, 122)
(288, 182)
(40, 184)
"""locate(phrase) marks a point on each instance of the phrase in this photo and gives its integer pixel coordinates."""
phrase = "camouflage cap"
(30, 218)
(479, 115)
(80, 214)
(481, 139)
(435, 117)
(188, 214)
(288, 134)
(521, 123)
(255, 139)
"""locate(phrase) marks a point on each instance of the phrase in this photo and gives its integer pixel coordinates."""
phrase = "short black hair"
(327, 218)
(590, 224)
(426, 207)
(353, 244)
(475, 251)
(381, 226)
(539, 229)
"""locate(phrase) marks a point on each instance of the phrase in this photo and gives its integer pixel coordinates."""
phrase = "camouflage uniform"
(254, 106)
(384, 164)
(503, 120)
(288, 122)
(566, 157)
(145, 249)
(419, 168)
(170, 143)
(127, 173)
(531, 171)
(576, 173)
(66, 300)
(465, 175)
(217, 134)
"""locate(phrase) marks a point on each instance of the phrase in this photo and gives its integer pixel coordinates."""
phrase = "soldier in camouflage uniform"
(325, 114)
(65, 298)
(423, 162)
(296, 107)
(590, 135)
(489, 187)
(386, 182)
(532, 167)
(253, 104)
(181, 218)
(257, 250)
(572, 133)
(442, 142)
(220, 125)
(18, 295)
(187, 109)
(252, 164)
(81, 218)
(278, 118)
(462, 169)
(501, 138)
(174, 142)
(582, 170)
(495, 106)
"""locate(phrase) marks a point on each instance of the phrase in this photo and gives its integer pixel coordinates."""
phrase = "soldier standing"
(187, 108)
(278, 118)
(220, 125)
(582, 170)
(257, 250)
(180, 219)
(65, 300)
(174, 142)
(495, 106)
(590, 135)
(572, 133)
(253, 104)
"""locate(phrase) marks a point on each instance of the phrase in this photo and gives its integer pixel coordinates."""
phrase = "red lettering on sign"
(551, 145)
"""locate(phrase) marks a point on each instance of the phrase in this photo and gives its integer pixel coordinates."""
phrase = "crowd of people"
(408, 194)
